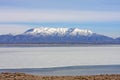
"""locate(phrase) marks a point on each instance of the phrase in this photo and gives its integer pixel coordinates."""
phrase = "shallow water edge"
(69, 70)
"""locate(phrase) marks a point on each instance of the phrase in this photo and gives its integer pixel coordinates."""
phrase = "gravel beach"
(23, 76)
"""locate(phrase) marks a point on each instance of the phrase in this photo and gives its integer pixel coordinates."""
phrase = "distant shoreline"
(57, 45)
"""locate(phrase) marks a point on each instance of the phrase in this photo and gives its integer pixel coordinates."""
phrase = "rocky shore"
(23, 76)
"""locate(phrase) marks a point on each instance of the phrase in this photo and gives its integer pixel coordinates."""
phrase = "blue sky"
(100, 16)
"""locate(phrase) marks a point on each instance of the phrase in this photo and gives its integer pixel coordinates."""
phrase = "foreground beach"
(23, 76)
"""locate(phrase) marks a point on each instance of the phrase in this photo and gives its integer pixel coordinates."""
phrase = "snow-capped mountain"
(44, 35)
(58, 31)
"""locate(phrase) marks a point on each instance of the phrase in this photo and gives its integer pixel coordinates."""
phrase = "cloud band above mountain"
(57, 16)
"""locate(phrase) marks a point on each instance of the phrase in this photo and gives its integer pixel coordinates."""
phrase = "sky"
(100, 16)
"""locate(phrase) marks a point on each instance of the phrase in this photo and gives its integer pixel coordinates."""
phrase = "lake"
(49, 57)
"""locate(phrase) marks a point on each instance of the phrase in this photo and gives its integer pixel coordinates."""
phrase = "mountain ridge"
(44, 35)
(59, 31)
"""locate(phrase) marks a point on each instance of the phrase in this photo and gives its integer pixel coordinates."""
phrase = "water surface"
(46, 57)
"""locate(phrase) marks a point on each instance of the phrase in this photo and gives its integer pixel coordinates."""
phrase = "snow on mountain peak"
(81, 32)
(58, 31)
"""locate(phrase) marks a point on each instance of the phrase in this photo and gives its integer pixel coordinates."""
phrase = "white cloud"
(57, 16)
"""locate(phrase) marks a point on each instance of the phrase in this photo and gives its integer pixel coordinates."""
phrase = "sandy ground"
(22, 76)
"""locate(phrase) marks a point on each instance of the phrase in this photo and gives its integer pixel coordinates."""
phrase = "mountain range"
(45, 35)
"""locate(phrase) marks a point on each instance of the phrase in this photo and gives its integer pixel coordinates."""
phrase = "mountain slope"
(57, 36)
(58, 31)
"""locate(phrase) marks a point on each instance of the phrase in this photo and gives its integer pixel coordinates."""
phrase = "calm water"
(46, 57)
(69, 71)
